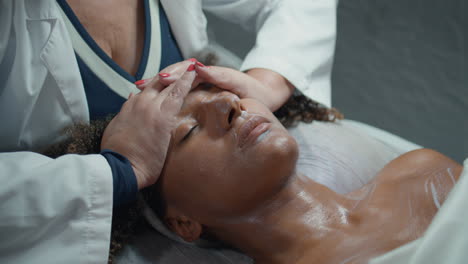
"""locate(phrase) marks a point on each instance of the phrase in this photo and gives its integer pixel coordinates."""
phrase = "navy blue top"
(125, 186)
(102, 101)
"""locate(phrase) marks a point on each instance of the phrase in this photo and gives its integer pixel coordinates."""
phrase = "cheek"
(197, 176)
(266, 167)
(217, 180)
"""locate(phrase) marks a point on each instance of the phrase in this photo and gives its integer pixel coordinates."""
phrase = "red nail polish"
(164, 75)
(200, 64)
(191, 67)
(192, 59)
(140, 82)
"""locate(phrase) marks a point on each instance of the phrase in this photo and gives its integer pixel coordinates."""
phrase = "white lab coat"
(59, 211)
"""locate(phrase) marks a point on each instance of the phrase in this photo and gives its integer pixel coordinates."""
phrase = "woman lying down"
(230, 175)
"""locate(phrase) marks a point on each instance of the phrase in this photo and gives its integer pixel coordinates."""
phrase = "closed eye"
(188, 133)
(231, 115)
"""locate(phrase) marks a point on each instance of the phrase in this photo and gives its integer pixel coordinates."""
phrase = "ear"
(187, 228)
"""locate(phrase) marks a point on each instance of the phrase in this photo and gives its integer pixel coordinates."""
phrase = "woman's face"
(227, 155)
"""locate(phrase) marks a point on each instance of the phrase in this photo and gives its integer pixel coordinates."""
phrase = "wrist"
(123, 177)
(140, 176)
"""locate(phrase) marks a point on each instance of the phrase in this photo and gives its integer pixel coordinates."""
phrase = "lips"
(251, 129)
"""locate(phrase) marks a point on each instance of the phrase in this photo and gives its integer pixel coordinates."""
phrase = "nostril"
(231, 115)
(242, 108)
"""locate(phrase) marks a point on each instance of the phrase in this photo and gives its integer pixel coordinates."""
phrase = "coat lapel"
(188, 23)
(58, 56)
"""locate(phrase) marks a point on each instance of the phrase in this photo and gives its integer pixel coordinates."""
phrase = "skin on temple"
(245, 191)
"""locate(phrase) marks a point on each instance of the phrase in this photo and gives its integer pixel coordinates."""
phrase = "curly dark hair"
(86, 139)
(300, 108)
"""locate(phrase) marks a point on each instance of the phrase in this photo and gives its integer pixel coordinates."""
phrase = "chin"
(280, 150)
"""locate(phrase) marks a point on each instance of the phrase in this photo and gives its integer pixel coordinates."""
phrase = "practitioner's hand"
(265, 85)
(142, 129)
(167, 76)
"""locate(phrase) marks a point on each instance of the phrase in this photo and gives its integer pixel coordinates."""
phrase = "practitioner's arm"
(295, 39)
(59, 210)
(48, 203)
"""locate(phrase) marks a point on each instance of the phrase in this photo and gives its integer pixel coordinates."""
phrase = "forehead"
(197, 96)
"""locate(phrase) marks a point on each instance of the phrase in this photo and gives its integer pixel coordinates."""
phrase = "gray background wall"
(399, 65)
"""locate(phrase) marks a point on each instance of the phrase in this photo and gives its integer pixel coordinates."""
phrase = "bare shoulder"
(418, 163)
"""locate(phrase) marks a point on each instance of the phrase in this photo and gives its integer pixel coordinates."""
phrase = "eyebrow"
(206, 87)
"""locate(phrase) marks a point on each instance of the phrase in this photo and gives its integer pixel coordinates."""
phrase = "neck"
(293, 222)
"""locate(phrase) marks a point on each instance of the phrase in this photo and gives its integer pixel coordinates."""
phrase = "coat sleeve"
(54, 210)
(295, 38)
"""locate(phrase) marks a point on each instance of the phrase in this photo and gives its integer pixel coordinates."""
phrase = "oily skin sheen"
(221, 165)
(251, 198)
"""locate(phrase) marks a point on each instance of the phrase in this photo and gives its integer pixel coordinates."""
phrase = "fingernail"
(192, 60)
(200, 64)
(140, 82)
(191, 67)
(164, 75)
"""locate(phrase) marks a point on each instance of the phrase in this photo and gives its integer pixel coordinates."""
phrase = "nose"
(226, 108)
